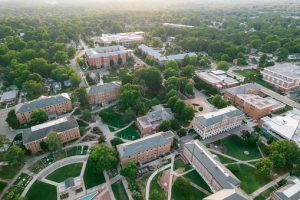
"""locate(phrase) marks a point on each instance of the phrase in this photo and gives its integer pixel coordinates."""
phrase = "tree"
(15, 155)
(264, 166)
(86, 115)
(219, 102)
(151, 77)
(102, 138)
(3, 141)
(178, 107)
(181, 132)
(130, 170)
(171, 93)
(189, 89)
(172, 101)
(283, 54)
(296, 170)
(38, 116)
(284, 153)
(188, 114)
(165, 125)
(103, 157)
(120, 61)
(175, 124)
(60, 57)
(44, 145)
(182, 185)
(188, 71)
(270, 47)
(12, 120)
(116, 141)
(82, 97)
(53, 142)
(129, 115)
(33, 89)
(223, 65)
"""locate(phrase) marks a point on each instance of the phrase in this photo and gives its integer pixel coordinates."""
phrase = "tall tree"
(53, 142)
(130, 170)
(38, 116)
(15, 155)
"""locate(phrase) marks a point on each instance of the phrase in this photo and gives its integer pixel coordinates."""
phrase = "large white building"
(125, 39)
(286, 126)
(214, 123)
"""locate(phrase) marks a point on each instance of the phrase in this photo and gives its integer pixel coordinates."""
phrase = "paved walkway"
(152, 176)
(267, 186)
(111, 194)
(245, 162)
(200, 188)
(171, 178)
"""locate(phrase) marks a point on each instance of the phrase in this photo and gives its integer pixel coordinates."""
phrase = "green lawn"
(119, 191)
(61, 174)
(265, 194)
(250, 180)
(180, 164)
(194, 194)
(9, 172)
(92, 179)
(130, 133)
(194, 177)
(224, 159)
(2, 185)
(112, 117)
(154, 186)
(40, 190)
(235, 147)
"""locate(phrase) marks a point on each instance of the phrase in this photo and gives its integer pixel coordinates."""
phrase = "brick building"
(146, 149)
(216, 175)
(103, 94)
(285, 77)
(52, 105)
(214, 123)
(67, 128)
(103, 56)
(249, 88)
(151, 121)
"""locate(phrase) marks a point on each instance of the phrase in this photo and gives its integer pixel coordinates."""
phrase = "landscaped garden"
(179, 164)
(250, 179)
(17, 188)
(265, 194)
(61, 174)
(130, 133)
(90, 177)
(156, 192)
(40, 190)
(119, 191)
(234, 146)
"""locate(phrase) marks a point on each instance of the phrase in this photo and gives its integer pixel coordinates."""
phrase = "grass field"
(235, 148)
(155, 188)
(180, 164)
(130, 133)
(9, 172)
(92, 179)
(193, 194)
(194, 177)
(61, 174)
(224, 159)
(250, 180)
(112, 118)
(265, 194)
(119, 191)
(2, 185)
(40, 190)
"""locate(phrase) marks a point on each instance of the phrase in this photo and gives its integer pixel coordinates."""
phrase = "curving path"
(51, 168)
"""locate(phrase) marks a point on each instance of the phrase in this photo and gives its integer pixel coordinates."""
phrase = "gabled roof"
(41, 131)
(243, 89)
(211, 118)
(219, 172)
(103, 88)
(291, 191)
(42, 102)
(134, 147)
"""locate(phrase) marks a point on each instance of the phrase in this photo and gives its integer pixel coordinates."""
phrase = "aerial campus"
(149, 100)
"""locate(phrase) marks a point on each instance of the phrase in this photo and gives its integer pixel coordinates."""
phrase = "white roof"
(9, 95)
(286, 126)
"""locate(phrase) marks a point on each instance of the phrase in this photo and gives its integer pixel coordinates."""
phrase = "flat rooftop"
(286, 125)
(287, 69)
(119, 37)
(261, 102)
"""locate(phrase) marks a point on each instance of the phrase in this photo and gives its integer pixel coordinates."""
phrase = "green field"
(250, 180)
(194, 177)
(235, 147)
(194, 194)
(61, 174)
(90, 177)
(112, 118)
(40, 190)
(155, 188)
(9, 172)
(119, 191)
(224, 159)
(2, 185)
(130, 133)
(180, 164)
